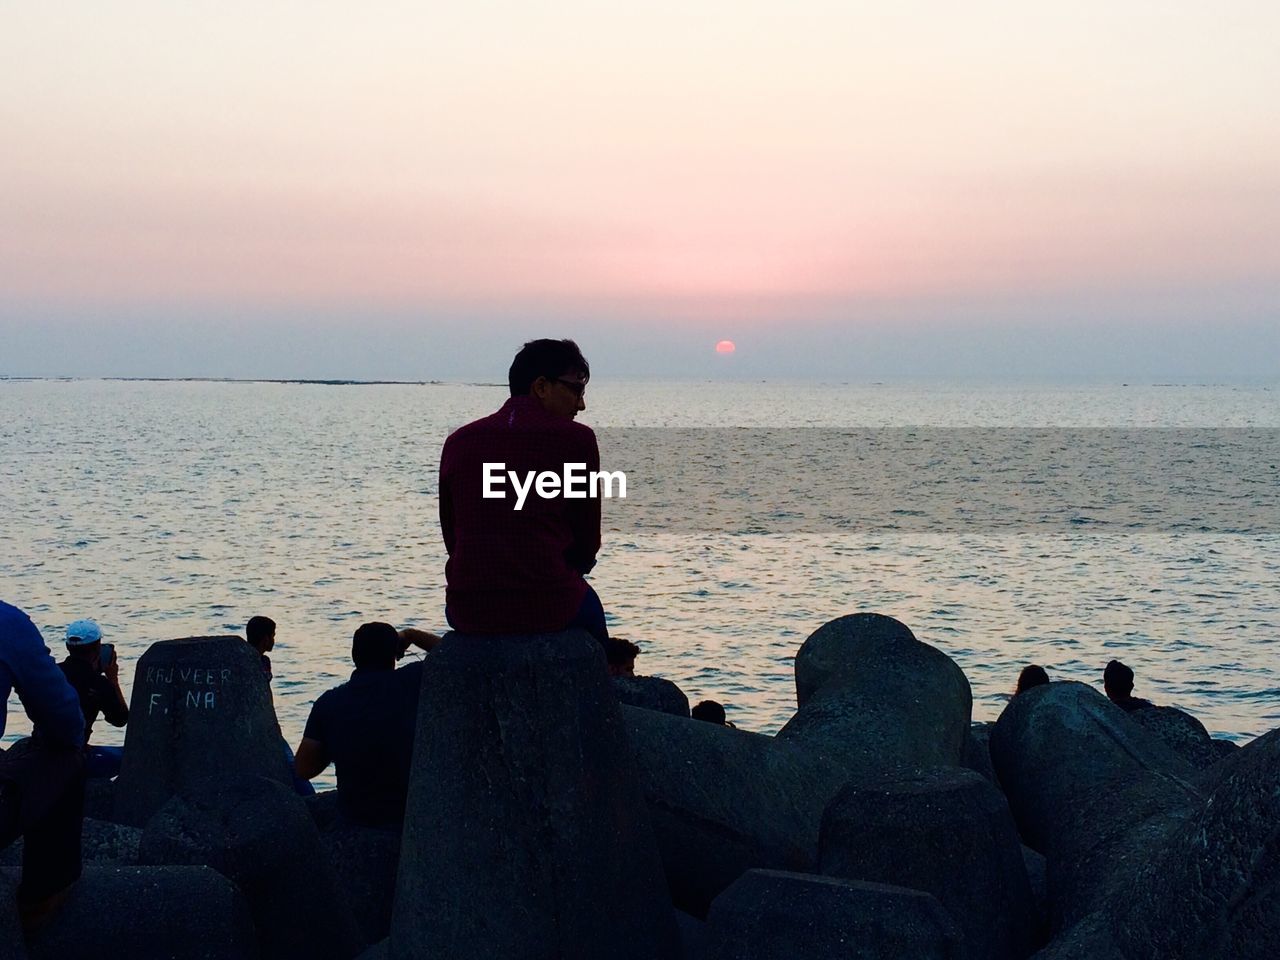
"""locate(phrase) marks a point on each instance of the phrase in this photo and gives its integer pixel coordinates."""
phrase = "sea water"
(171, 508)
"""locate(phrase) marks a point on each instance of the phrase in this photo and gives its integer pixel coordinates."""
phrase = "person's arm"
(584, 519)
(50, 701)
(115, 708)
(446, 502)
(413, 637)
(311, 757)
(309, 760)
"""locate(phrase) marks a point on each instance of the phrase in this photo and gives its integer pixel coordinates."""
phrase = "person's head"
(376, 646)
(1032, 675)
(84, 640)
(621, 655)
(709, 711)
(1117, 680)
(554, 371)
(261, 633)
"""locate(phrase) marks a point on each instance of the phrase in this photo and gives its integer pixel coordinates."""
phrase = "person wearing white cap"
(92, 669)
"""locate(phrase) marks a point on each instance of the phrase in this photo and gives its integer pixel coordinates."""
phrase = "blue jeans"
(302, 788)
(590, 616)
(103, 763)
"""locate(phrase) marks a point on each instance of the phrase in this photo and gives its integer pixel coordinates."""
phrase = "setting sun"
(725, 346)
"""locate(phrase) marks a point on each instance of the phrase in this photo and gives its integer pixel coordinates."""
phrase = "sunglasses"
(577, 386)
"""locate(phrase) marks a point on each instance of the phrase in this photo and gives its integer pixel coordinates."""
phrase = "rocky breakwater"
(544, 820)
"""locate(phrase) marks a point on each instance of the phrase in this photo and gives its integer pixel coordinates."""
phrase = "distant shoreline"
(295, 380)
(1265, 386)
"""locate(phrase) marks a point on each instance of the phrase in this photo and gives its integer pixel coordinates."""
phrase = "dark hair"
(1032, 675)
(1118, 676)
(259, 629)
(375, 645)
(545, 358)
(708, 710)
(618, 651)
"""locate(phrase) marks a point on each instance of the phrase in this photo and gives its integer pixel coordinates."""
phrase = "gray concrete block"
(526, 834)
(200, 712)
(148, 913)
(774, 915)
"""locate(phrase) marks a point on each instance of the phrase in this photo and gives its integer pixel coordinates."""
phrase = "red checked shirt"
(516, 571)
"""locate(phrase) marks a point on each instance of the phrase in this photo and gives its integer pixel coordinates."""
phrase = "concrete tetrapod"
(946, 831)
(833, 649)
(99, 843)
(724, 801)
(874, 697)
(775, 915)
(201, 711)
(365, 859)
(652, 693)
(1181, 732)
(11, 947)
(1213, 889)
(259, 834)
(526, 834)
(148, 913)
(1090, 789)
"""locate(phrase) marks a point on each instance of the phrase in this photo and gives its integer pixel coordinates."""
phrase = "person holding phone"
(92, 669)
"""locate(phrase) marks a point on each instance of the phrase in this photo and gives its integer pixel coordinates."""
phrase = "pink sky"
(749, 160)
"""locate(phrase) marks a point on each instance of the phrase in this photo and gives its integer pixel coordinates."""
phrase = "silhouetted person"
(93, 669)
(1117, 680)
(1032, 675)
(710, 711)
(41, 780)
(621, 655)
(261, 634)
(521, 570)
(365, 727)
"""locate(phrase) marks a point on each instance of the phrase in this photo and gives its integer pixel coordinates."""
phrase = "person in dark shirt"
(93, 669)
(521, 570)
(365, 727)
(1117, 680)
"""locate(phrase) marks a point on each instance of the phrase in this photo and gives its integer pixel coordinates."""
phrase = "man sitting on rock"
(1117, 680)
(41, 781)
(261, 634)
(366, 726)
(93, 669)
(521, 570)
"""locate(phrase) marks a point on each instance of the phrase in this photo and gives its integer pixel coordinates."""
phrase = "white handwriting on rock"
(188, 677)
(194, 675)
